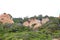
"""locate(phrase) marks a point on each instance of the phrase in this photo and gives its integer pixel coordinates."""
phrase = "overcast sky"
(22, 8)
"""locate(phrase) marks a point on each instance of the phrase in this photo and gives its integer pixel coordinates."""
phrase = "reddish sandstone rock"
(6, 18)
(35, 23)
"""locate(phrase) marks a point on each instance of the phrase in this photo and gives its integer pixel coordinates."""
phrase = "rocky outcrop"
(6, 18)
(35, 23)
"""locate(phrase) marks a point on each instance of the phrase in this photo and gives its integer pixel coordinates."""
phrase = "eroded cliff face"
(35, 23)
(6, 18)
(44, 20)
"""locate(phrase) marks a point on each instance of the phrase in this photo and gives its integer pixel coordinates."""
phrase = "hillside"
(17, 31)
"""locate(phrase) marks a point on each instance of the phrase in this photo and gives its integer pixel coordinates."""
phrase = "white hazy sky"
(22, 8)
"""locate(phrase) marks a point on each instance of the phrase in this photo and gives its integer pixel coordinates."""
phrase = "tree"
(46, 16)
(10, 15)
(18, 20)
(25, 18)
(35, 16)
(40, 17)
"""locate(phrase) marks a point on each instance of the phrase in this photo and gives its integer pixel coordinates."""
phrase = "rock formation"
(35, 23)
(6, 18)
